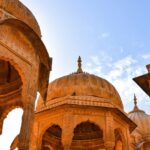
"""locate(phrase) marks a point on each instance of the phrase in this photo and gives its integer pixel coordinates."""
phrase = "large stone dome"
(142, 120)
(83, 84)
(19, 11)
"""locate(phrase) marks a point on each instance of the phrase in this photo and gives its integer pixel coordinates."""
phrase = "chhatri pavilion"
(79, 111)
(85, 112)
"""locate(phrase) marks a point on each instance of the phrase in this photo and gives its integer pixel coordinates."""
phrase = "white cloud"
(121, 67)
(95, 60)
(124, 62)
(146, 56)
(104, 35)
(89, 64)
(120, 74)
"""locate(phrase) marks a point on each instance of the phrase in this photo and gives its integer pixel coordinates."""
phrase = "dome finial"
(135, 100)
(79, 65)
(135, 104)
(135, 109)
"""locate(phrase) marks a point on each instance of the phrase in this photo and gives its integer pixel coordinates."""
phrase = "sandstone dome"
(83, 84)
(21, 12)
(142, 120)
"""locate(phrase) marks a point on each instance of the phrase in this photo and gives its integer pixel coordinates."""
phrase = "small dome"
(18, 10)
(141, 119)
(83, 84)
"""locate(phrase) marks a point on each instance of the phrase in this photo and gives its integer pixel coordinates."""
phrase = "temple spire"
(79, 70)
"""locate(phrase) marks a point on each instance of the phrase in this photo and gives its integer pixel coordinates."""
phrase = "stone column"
(67, 138)
(109, 136)
(26, 126)
(34, 143)
(67, 131)
(28, 99)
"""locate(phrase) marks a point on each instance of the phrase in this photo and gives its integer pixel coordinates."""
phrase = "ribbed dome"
(17, 9)
(141, 119)
(83, 84)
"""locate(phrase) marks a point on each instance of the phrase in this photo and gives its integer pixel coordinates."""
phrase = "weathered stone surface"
(22, 53)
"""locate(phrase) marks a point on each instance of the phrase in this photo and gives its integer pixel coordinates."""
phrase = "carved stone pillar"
(67, 131)
(109, 132)
(26, 127)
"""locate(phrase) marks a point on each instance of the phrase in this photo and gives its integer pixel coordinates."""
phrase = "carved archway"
(87, 135)
(4, 114)
(52, 138)
(18, 72)
(25, 50)
(42, 63)
(10, 88)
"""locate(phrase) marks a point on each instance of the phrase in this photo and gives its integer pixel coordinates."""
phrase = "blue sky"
(104, 33)
(111, 36)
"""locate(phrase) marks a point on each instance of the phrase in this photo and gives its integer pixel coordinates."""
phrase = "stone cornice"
(76, 100)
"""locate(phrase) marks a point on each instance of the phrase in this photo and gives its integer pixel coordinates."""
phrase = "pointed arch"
(52, 138)
(89, 135)
(17, 67)
(39, 49)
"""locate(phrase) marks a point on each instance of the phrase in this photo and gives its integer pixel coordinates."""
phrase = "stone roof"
(21, 12)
